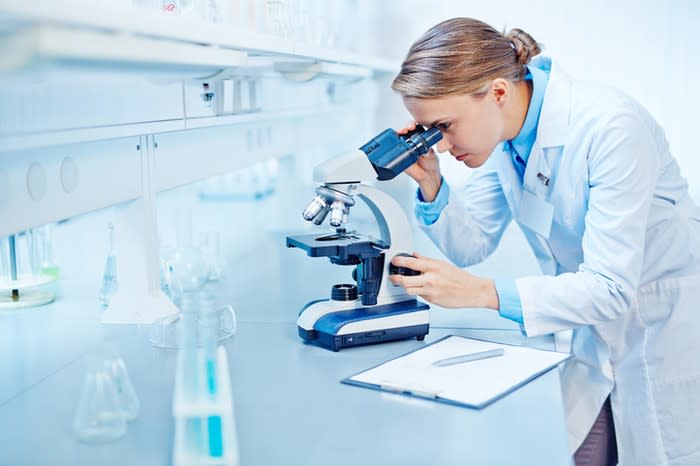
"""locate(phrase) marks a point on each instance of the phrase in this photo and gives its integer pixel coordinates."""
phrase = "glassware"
(42, 251)
(99, 417)
(169, 283)
(189, 267)
(127, 400)
(20, 282)
(168, 331)
(210, 243)
(276, 12)
(110, 285)
(178, 7)
(148, 4)
(208, 326)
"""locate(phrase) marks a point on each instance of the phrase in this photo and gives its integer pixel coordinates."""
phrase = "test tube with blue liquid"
(208, 326)
(190, 373)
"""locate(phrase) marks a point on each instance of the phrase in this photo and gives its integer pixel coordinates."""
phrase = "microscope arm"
(394, 230)
(344, 174)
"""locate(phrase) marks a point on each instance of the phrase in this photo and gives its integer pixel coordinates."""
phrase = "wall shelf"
(128, 21)
(300, 71)
(59, 46)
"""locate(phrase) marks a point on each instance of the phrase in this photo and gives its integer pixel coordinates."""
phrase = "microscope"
(372, 310)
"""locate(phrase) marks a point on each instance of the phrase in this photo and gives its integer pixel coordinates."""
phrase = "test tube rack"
(196, 415)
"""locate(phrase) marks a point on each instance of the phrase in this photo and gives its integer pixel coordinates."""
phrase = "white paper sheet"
(474, 383)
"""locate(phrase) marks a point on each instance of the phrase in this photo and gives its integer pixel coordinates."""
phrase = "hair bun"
(524, 45)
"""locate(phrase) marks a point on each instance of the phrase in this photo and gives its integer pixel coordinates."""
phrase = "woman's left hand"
(443, 284)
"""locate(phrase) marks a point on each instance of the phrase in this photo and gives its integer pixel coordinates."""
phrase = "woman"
(587, 174)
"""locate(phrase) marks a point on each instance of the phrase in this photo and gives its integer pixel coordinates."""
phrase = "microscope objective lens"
(317, 205)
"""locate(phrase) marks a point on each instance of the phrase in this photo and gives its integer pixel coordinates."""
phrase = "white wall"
(646, 48)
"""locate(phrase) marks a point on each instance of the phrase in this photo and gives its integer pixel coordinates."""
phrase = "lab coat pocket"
(678, 411)
(668, 309)
(656, 300)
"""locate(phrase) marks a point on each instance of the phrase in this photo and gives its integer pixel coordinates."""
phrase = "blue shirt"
(519, 147)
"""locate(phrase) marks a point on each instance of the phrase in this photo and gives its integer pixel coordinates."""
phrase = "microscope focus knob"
(395, 270)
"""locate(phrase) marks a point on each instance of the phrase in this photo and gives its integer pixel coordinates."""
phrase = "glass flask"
(127, 400)
(99, 417)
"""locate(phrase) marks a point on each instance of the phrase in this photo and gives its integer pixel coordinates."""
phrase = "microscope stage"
(336, 245)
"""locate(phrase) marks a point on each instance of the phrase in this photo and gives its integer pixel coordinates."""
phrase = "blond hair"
(461, 56)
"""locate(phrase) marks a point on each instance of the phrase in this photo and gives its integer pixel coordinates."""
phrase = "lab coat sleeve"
(623, 166)
(428, 212)
(472, 223)
(509, 305)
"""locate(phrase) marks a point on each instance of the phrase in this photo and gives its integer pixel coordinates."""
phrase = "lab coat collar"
(553, 126)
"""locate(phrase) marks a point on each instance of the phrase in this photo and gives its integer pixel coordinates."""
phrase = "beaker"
(188, 267)
(20, 281)
(41, 249)
(167, 332)
(99, 417)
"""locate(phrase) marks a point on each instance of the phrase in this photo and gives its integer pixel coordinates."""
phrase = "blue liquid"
(216, 444)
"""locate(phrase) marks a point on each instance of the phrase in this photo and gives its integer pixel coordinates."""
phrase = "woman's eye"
(443, 126)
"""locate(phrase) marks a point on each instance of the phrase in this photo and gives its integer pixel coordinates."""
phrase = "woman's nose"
(443, 145)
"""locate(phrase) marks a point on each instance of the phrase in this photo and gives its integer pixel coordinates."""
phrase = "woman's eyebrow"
(439, 120)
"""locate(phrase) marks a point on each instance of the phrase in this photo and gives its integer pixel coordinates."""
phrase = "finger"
(421, 257)
(431, 154)
(410, 126)
(413, 291)
(409, 262)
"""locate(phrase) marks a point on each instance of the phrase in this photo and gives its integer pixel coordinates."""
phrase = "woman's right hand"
(426, 171)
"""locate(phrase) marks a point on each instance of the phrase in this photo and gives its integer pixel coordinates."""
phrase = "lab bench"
(290, 407)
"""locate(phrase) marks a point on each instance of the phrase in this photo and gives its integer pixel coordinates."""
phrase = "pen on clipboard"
(469, 357)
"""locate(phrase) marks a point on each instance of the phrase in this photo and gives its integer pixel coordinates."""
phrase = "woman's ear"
(500, 90)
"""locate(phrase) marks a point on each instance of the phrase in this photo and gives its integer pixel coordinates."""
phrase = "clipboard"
(473, 384)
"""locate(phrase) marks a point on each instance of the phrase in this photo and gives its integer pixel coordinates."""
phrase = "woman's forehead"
(430, 111)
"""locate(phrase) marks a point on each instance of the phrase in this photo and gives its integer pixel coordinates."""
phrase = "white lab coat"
(621, 264)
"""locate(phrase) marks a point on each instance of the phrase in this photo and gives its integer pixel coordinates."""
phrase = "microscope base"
(337, 342)
(359, 326)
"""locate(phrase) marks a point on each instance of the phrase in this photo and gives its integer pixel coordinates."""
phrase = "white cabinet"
(113, 104)
(51, 184)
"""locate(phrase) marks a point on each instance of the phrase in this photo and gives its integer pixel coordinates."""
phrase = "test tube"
(13, 266)
(190, 373)
(209, 325)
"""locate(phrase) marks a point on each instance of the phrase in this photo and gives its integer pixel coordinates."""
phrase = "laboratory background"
(156, 157)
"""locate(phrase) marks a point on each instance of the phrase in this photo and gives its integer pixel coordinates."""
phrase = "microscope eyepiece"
(391, 153)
